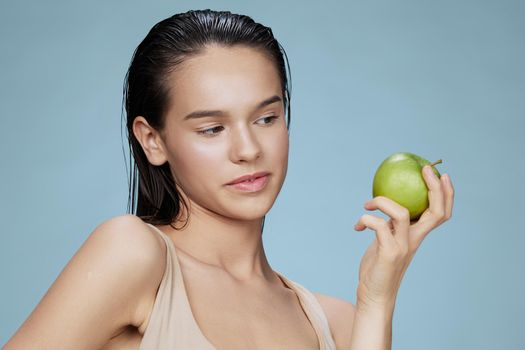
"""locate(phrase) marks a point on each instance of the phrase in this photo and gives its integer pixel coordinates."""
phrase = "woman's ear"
(150, 141)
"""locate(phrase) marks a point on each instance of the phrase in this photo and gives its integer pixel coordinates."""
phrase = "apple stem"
(436, 162)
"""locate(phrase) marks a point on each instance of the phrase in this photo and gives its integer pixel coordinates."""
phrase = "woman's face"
(247, 136)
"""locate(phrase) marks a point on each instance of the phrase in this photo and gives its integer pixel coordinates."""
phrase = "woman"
(205, 96)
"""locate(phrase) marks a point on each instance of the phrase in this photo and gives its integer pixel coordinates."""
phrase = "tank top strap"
(171, 324)
(314, 311)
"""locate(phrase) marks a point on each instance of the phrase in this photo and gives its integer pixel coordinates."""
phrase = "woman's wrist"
(385, 307)
(368, 301)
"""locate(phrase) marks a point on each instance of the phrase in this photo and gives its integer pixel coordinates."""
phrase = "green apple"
(400, 178)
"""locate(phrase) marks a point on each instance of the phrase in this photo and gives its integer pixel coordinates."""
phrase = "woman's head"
(205, 60)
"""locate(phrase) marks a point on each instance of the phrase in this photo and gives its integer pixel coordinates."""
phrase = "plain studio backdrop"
(443, 79)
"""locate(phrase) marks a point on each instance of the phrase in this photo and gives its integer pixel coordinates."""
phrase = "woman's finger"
(390, 224)
(449, 195)
(384, 235)
(399, 216)
(435, 213)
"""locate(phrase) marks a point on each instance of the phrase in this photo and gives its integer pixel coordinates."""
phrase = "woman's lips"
(248, 177)
(251, 186)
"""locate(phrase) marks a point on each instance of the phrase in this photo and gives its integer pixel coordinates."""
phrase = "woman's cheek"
(207, 159)
(282, 146)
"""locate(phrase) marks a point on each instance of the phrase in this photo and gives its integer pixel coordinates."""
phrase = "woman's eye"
(217, 129)
(210, 131)
(270, 118)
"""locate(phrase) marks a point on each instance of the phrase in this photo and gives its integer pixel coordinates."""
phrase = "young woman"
(206, 97)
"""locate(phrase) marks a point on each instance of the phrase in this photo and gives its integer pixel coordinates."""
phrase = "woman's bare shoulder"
(130, 238)
(100, 291)
(144, 255)
(340, 316)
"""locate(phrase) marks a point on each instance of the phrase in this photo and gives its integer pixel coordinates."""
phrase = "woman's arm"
(388, 257)
(372, 328)
(357, 327)
(99, 292)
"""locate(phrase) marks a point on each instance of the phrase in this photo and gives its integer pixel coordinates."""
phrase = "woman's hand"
(386, 260)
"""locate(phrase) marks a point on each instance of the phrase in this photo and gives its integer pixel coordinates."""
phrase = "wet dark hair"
(153, 195)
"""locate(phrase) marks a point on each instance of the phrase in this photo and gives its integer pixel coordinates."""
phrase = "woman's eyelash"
(206, 132)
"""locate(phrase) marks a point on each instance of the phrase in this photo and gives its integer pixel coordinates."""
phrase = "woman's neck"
(231, 245)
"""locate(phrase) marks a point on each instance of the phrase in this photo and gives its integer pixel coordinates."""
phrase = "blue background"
(443, 79)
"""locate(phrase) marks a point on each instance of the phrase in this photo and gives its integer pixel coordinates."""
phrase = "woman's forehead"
(222, 79)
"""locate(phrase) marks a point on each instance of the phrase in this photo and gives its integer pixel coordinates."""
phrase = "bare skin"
(79, 311)
(104, 297)
(267, 314)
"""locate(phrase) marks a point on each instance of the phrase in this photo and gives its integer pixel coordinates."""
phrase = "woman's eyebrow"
(202, 114)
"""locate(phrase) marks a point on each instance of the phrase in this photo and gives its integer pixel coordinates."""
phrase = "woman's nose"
(245, 146)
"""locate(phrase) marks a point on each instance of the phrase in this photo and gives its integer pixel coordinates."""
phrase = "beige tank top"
(172, 325)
